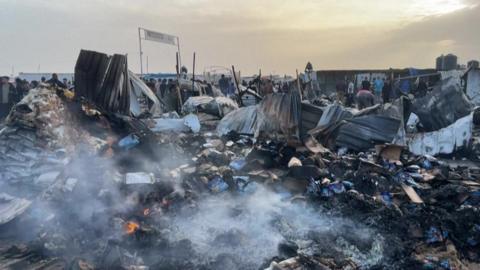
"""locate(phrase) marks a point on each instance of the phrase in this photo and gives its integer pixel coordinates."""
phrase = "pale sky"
(277, 36)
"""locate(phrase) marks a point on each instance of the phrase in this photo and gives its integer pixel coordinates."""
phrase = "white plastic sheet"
(444, 141)
(219, 106)
(186, 124)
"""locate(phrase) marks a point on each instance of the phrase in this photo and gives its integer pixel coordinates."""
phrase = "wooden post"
(259, 80)
(235, 79)
(193, 74)
(141, 52)
(179, 94)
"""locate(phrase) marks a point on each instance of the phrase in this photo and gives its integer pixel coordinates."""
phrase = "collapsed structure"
(101, 179)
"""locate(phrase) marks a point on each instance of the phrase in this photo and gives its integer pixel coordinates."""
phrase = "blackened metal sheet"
(362, 133)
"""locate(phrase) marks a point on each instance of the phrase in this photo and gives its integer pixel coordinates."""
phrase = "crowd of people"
(376, 91)
(370, 92)
(13, 92)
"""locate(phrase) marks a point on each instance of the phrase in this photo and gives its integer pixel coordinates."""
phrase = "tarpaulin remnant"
(243, 121)
(138, 87)
(277, 113)
(189, 122)
(219, 106)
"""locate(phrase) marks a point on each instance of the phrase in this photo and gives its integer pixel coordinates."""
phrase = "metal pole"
(179, 56)
(193, 73)
(147, 64)
(141, 53)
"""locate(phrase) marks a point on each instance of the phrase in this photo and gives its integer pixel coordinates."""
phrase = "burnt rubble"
(88, 182)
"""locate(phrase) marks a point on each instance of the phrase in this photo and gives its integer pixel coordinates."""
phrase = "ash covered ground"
(88, 182)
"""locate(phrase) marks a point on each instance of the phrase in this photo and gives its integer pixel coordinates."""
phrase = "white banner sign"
(159, 37)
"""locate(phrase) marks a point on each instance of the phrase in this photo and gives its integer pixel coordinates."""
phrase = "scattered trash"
(218, 106)
(139, 178)
(387, 198)
(129, 142)
(281, 182)
(238, 164)
(412, 194)
(435, 235)
(188, 123)
(294, 162)
(11, 207)
(389, 152)
(217, 185)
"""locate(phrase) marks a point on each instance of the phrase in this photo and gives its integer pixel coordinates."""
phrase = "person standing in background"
(341, 88)
(231, 90)
(21, 89)
(350, 93)
(54, 81)
(422, 88)
(378, 89)
(223, 84)
(366, 84)
(365, 99)
(387, 91)
(163, 88)
(7, 91)
(65, 82)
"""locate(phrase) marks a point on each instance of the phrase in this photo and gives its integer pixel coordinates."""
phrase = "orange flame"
(131, 227)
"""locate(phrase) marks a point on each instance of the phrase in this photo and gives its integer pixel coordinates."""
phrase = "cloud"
(275, 35)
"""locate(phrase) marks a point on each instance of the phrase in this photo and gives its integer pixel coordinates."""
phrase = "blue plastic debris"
(473, 199)
(445, 264)
(406, 178)
(387, 197)
(416, 176)
(426, 164)
(434, 263)
(314, 187)
(435, 235)
(348, 185)
(413, 168)
(244, 184)
(337, 188)
(389, 166)
(326, 192)
(217, 185)
(474, 239)
(128, 142)
(238, 164)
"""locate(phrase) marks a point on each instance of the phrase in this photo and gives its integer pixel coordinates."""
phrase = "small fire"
(146, 211)
(131, 227)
